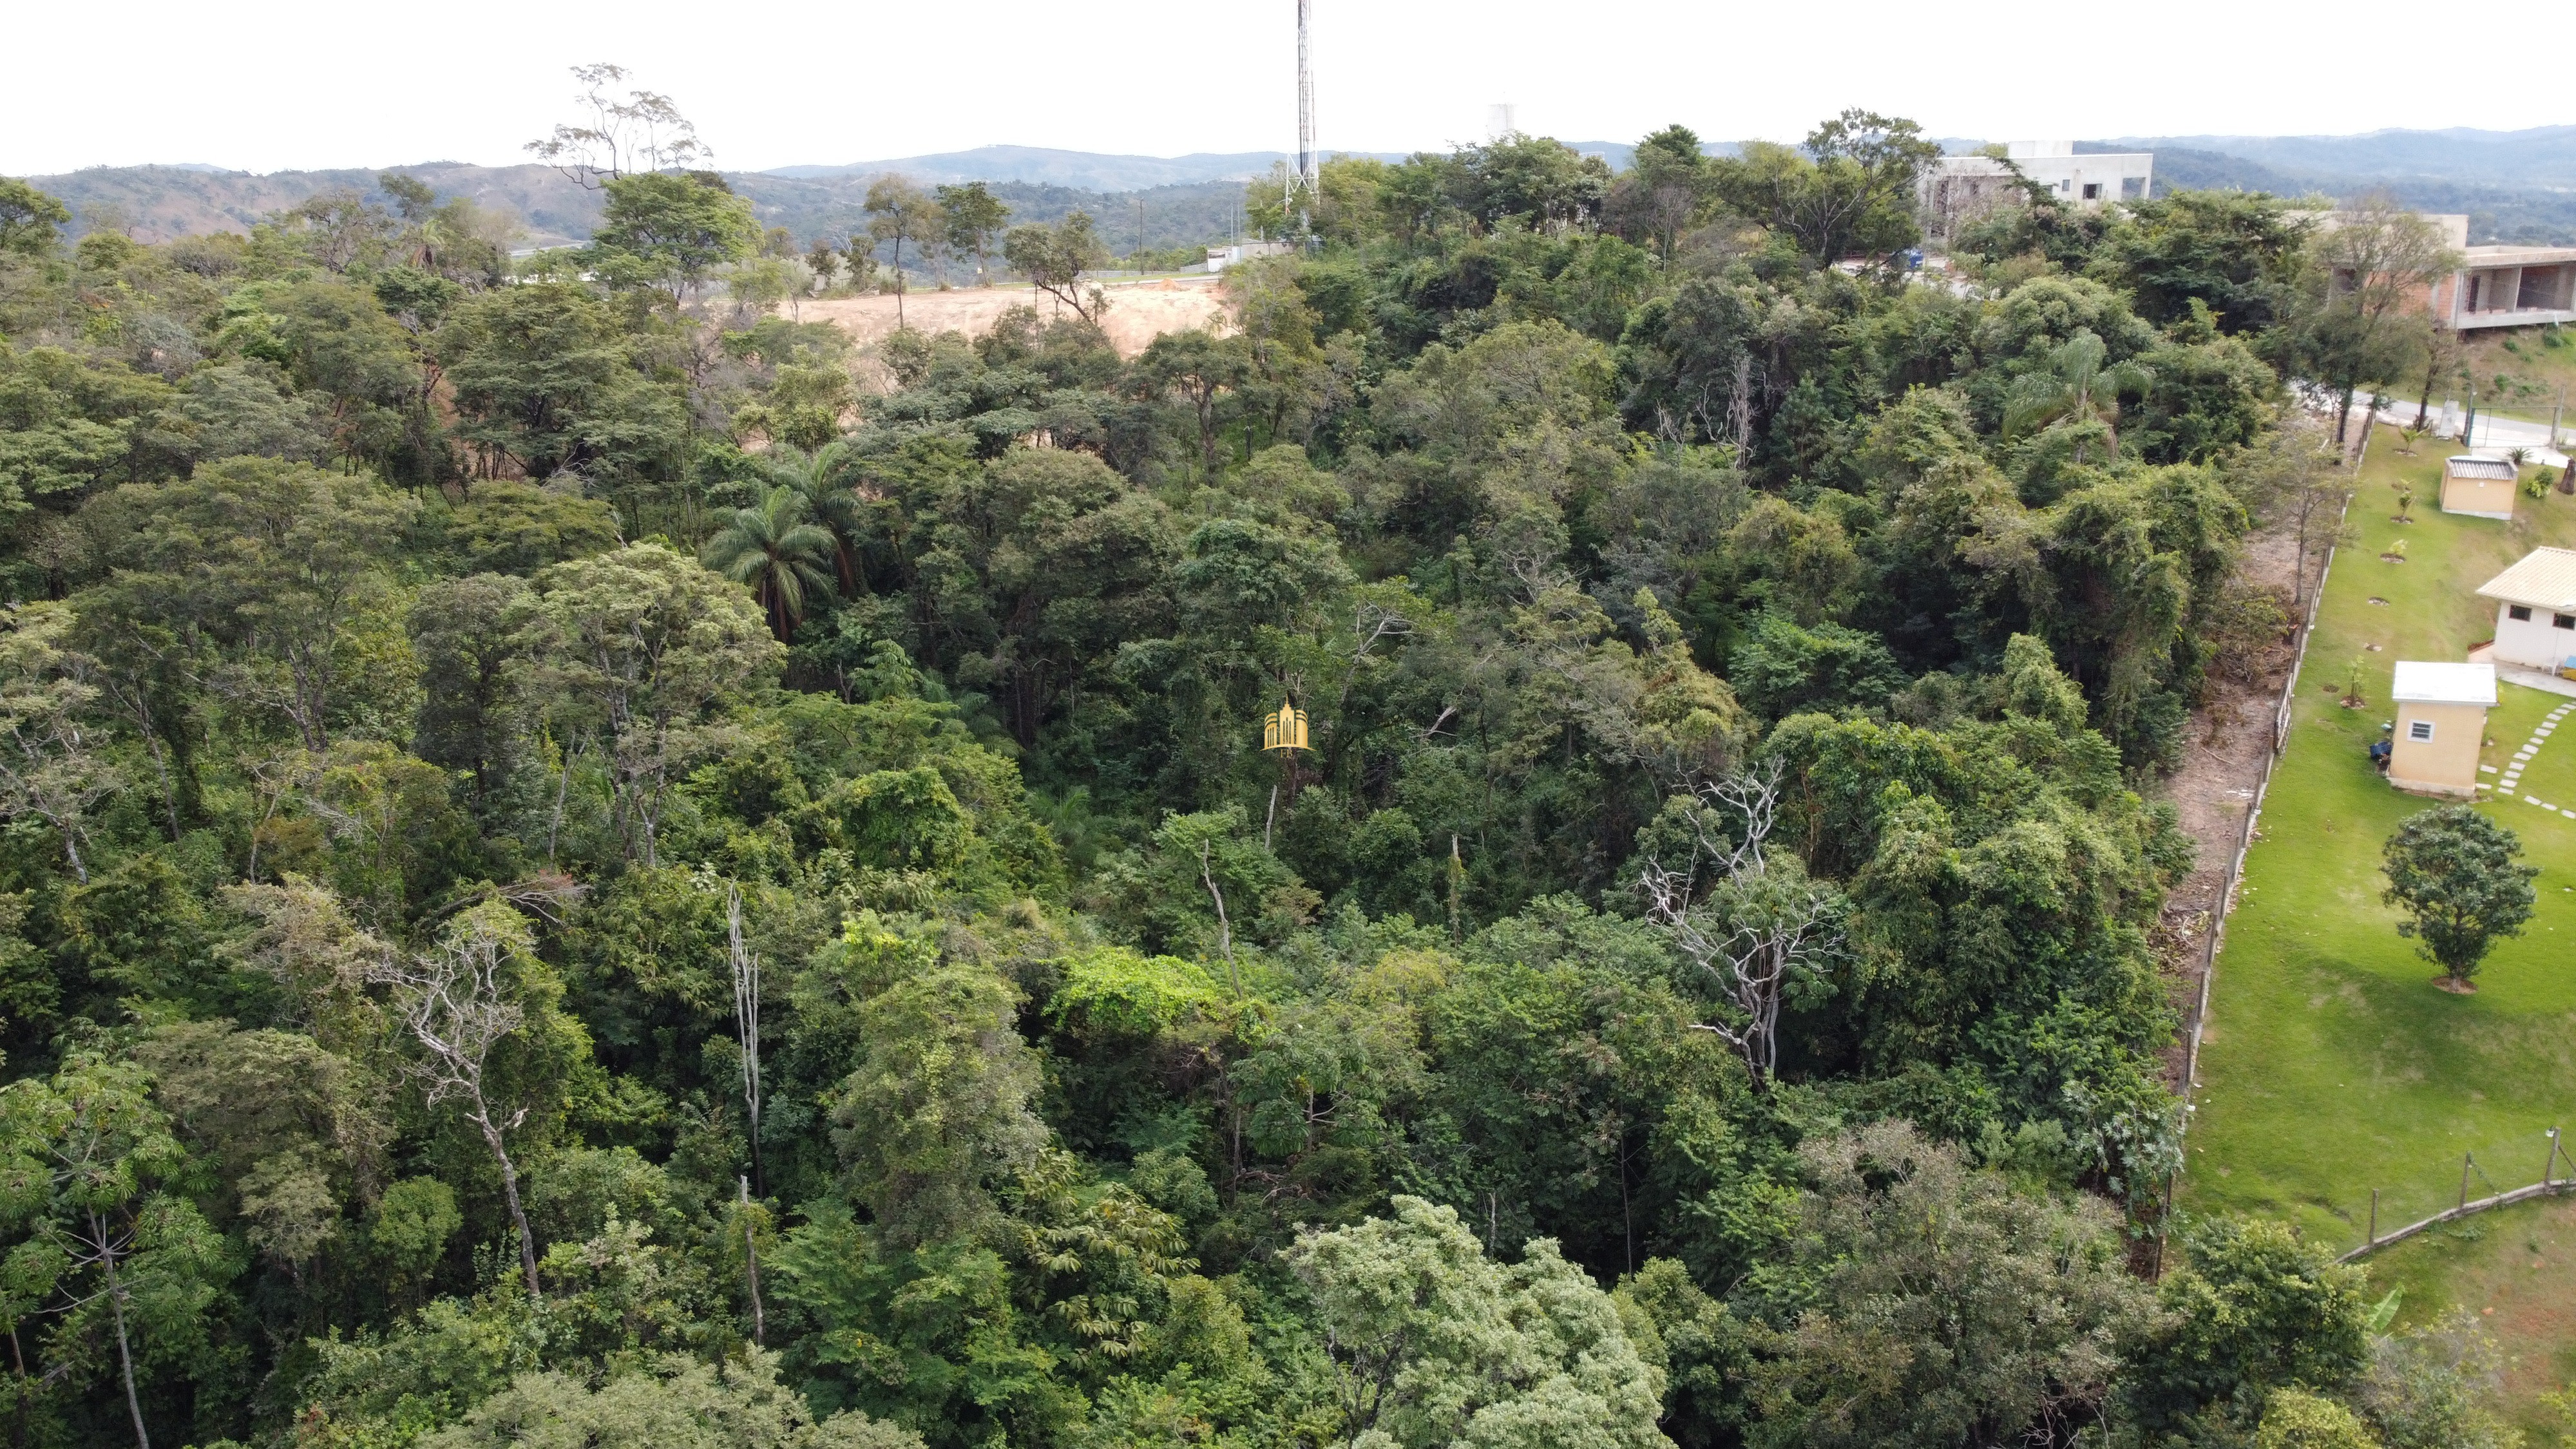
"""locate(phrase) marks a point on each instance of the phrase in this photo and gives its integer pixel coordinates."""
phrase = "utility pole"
(1306, 165)
(1140, 236)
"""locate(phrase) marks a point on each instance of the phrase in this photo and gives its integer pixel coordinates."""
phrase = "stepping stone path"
(2513, 769)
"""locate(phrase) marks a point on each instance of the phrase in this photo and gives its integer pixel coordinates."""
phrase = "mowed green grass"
(2331, 1065)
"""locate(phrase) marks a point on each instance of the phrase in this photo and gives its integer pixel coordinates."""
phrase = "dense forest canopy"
(584, 865)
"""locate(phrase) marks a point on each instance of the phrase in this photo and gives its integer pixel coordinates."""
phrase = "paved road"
(2494, 435)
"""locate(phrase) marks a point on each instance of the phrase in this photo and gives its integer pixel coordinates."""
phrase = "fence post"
(2465, 1159)
(2374, 1217)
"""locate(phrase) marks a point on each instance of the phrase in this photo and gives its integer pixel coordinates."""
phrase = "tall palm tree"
(2074, 384)
(831, 503)
(772, 547)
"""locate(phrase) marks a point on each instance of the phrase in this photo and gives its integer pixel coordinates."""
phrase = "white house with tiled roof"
(2536, 610)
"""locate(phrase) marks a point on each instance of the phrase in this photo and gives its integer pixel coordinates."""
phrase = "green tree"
(900, 212)
(1199, 368)
(86, 1161)
(937, 1111)
(1433, 1343)
(346, 350)
(643, 650)
(2293, 1419)
(274, 565)
(2073, 385)
(2361, 320)
(546, 381)
(1949, 1307)
(2255, 1309)
(668, 230)
(29, 219)
(774, 548)
(1663, 192)
(290, 1128)
(2237, 253)
(970, 216)
(50, 768)
(1848, 192)
(822, 479)
(1528, 181)
(675, 1402)
(1054, 258)
(2459, 878)
(465, 634)
(2434, 1386)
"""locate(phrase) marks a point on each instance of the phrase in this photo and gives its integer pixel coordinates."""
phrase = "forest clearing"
(1139, 310)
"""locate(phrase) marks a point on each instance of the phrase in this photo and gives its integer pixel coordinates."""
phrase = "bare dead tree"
(455, 1004)
(1739, 406)
(1759, 927)
(642, 132)
(746, 1016)
(751, 1262)
(1224, 927)
(546, 895)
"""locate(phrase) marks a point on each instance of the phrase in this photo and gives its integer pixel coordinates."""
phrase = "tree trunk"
(751, 1267)
(510, 1194)
(124, 1347)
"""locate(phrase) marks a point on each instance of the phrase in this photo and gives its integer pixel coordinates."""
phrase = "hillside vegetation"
(571, 878)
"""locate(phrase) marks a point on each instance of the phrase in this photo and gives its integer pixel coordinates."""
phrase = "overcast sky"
(267, 86)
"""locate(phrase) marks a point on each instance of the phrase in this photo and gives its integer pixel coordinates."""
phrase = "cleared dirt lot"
(1138, 311)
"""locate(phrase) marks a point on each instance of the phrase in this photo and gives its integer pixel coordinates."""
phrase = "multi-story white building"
(1960, 189)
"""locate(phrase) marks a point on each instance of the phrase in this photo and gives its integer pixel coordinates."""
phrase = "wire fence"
(2557, 1177)
(2226, 899)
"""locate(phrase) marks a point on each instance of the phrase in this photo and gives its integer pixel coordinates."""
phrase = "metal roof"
(2546, 577)
(2468, 465)
(2423, 682)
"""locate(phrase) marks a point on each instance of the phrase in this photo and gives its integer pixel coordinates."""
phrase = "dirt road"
(1138, 311)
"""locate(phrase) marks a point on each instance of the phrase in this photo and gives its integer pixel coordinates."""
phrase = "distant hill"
(156, 203)
(2515, 186)
(2544, 156)
(1090, 171)
(2533, 213)
(1041, 166)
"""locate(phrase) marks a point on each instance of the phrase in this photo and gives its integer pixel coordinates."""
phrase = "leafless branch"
(1757, 930)
(456, 1005)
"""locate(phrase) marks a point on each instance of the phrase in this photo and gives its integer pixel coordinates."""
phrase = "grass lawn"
(2330, 1064)
(2513, 1268)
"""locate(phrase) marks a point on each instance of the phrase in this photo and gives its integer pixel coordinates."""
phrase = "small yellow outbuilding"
(2441, 725)
(2480, 487)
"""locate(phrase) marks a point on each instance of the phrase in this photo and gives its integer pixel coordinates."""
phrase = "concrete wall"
(2447, 764)
(2536, 642)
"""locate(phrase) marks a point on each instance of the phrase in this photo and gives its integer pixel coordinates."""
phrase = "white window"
(2421, 729)
(2519, 613)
